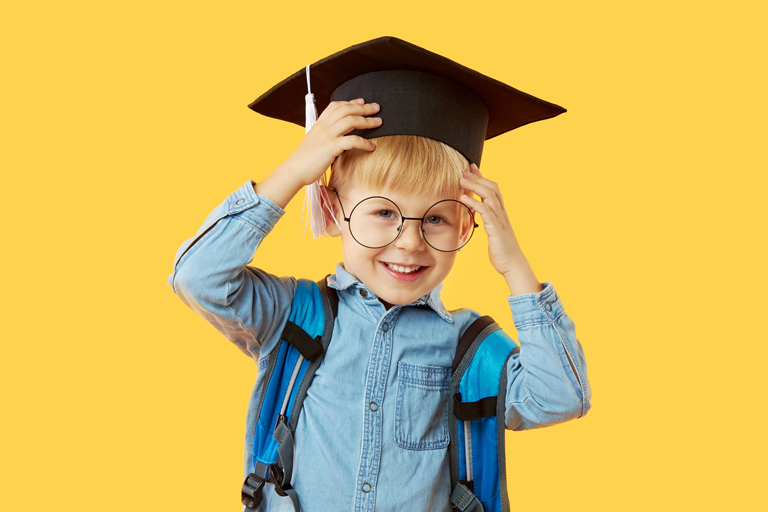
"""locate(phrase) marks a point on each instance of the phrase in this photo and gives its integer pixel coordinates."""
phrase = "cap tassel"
(314, 190)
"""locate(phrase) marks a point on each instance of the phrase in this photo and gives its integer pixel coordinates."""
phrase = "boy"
(373, 430)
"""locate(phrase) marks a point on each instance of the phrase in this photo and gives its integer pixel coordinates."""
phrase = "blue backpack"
(478, 391)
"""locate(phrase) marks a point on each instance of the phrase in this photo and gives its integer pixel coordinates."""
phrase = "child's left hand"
(503, 248)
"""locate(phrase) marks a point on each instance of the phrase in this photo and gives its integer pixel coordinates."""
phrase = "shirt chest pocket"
(421, 409)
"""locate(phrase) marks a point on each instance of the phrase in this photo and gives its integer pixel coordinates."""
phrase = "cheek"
(359, 253)
(446, 262)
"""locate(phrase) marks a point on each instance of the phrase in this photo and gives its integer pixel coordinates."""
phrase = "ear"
(466, 229)
(330, 226)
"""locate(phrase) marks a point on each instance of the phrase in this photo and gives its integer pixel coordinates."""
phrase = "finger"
(345, 125)
(335, 105)
(484, 181)
(475, 176)
(483, 209)
(474, 169)
(487, 194)
(351, 108)
(355, 141)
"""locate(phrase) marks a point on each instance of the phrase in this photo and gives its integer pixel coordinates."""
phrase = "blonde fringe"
(403, 163)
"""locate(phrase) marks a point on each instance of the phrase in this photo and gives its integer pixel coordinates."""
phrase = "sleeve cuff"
(242, 202)
(536, 308)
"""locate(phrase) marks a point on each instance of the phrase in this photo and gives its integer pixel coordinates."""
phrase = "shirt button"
(366, 487)
(548, 306)
(374, 406)
(385, 327)
(363, 293)
(240, 201)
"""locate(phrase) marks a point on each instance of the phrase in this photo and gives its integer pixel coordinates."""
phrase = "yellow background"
(125, 124)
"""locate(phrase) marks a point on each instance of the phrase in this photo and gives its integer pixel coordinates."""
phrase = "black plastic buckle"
(251, 493)
(276, 476)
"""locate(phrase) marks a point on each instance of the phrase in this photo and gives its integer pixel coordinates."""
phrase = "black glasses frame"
(403, 219)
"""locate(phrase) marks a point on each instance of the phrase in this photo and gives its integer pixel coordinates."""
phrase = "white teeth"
(403, 270)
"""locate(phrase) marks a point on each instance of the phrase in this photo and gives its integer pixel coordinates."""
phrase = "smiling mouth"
(404, 269)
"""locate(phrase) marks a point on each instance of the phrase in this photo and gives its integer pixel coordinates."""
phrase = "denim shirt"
(373, 431)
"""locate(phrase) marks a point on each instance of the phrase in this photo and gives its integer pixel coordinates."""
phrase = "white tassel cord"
(310, 110)
(313, 191)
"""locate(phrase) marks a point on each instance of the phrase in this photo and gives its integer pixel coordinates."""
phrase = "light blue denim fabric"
(374, 429)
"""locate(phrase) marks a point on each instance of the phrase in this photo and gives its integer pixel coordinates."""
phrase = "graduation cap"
(420, 93)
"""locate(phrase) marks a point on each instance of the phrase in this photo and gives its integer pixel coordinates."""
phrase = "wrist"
(520, 277)
(280, 185)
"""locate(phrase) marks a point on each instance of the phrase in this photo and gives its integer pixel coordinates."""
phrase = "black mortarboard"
(420, 93)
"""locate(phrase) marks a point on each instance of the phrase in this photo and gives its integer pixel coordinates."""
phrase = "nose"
(410, 237)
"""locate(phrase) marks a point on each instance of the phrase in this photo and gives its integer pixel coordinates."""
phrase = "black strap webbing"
(468, 337)
(333, 297)
(470, 411)
(298, 337)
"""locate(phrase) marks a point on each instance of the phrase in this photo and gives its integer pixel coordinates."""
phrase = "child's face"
(410, 249)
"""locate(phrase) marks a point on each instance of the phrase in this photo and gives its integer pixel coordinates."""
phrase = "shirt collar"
(342, 280)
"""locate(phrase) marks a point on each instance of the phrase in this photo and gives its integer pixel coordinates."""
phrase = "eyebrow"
(425, 210)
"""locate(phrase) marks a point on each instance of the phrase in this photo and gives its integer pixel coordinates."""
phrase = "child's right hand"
(327, 138)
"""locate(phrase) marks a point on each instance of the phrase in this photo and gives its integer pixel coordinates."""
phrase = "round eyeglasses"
(376, 222)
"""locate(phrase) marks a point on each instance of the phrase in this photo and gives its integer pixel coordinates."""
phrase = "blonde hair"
(411, 163)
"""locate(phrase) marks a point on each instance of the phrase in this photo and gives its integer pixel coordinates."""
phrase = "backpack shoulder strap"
(329, 304)
(477, 411)
(289, 372)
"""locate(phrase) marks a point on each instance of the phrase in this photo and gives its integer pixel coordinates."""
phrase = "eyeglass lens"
(376, 222)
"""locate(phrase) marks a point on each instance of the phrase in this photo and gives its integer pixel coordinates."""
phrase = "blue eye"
(434, 220)
(385, 214)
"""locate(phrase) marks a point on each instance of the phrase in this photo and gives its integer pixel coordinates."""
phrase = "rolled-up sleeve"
(547, 380)
(211, 276)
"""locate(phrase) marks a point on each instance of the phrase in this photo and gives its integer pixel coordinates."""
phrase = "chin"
(400, 300)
